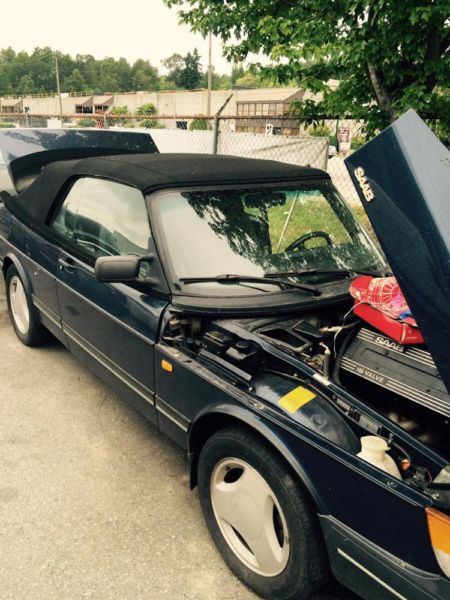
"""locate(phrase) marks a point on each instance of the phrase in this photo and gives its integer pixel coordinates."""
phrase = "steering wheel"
(299, 244)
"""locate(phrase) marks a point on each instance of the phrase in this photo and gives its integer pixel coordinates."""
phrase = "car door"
(112, 326)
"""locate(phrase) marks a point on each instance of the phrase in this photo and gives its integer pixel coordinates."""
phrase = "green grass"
(311, 212)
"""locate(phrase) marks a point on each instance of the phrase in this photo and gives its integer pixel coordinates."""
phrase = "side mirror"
(117, 269)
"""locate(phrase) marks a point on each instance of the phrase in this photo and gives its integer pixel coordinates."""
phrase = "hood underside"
(403, 179)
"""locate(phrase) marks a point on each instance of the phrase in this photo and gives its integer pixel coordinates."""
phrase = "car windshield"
(261, 232)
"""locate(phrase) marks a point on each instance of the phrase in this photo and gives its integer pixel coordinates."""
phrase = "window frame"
(67, 244)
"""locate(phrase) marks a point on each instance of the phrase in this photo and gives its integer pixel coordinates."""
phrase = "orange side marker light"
(166, 366)
(439, 528)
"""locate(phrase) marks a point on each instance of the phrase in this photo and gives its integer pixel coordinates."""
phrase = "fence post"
(216, 125)
(215, 134)
(325, 158)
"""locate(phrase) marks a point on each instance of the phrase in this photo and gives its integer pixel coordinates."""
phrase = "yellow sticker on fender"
(296, 398)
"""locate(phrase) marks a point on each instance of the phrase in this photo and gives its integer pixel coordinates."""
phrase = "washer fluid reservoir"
(374, 451)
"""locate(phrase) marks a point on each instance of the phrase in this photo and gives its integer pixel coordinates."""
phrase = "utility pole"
(210, 70)
(58, 88)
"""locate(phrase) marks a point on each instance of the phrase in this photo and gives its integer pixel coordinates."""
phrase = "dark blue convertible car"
(212, 293)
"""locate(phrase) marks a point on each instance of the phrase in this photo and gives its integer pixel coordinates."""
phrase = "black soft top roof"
(148, 172)
(25, 152)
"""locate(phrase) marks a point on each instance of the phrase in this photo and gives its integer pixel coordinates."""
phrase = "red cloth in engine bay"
(403, 333)
(380, 302)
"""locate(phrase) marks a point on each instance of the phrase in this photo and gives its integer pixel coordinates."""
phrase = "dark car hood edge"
(403, 179)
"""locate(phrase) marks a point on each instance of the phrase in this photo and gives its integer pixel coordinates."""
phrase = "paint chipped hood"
(403, 179)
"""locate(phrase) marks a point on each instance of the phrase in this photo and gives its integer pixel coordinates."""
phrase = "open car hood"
(403, 179)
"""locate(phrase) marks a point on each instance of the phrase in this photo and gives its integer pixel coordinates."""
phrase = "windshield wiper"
(318, 271)
(230, 278)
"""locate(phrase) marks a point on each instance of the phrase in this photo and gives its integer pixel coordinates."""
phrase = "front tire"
(259, 516)
(22, 312)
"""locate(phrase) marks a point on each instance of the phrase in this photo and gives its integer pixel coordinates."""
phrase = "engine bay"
(399, 382)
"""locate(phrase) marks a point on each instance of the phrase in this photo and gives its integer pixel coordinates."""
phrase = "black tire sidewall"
(34, 335)
(307, 567)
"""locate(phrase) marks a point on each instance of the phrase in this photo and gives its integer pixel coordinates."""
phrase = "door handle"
(66, 264)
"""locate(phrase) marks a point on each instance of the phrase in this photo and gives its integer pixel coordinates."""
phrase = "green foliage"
(167, 84)
(319, 131)
(23, 73)
(85, 122)
(237, 72)
(191, 75)
(218, 82)
(441, 127)
(26, 84)
(151, 124)
(442, 130)
(200, 124)
(147, 109)
(174, 64)
(144, 76)
(4, 125)
(252, 79)
(76, 82)
(387, 56)
(119, 110)
(184, 71)
(357, 142)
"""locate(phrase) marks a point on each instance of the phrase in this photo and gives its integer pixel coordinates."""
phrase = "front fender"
(218, 416)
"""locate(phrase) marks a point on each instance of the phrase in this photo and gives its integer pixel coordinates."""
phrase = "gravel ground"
(94, 502)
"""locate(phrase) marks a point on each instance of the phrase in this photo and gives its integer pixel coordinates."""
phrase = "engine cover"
(406, 371)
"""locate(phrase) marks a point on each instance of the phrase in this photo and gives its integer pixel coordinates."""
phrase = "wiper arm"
(319, 271)
(230, 278)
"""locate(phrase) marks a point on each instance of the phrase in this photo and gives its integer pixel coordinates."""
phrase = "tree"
(174, 65)
(191, 75)
(184, 71)
(76, 82)
(253, 79)
(88, 67)
(109, 81)
(124, 75)
(237, 72)
(144, 76)
(167, 84)
(40, 67)
(5, 84)
(387, 56)
(26, 85)
(218, 82)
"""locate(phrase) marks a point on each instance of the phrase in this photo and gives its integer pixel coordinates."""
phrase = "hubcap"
(250, 517)
(19, 305)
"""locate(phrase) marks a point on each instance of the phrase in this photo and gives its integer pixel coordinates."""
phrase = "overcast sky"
(132, 29)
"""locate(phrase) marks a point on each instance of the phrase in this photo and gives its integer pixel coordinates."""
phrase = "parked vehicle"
(212, 293)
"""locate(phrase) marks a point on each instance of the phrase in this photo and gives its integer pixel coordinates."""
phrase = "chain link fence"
(323, 145)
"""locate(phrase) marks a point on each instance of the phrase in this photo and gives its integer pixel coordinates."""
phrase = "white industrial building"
(260, 101)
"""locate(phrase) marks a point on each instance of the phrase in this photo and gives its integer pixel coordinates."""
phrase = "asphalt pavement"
(94, 502)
